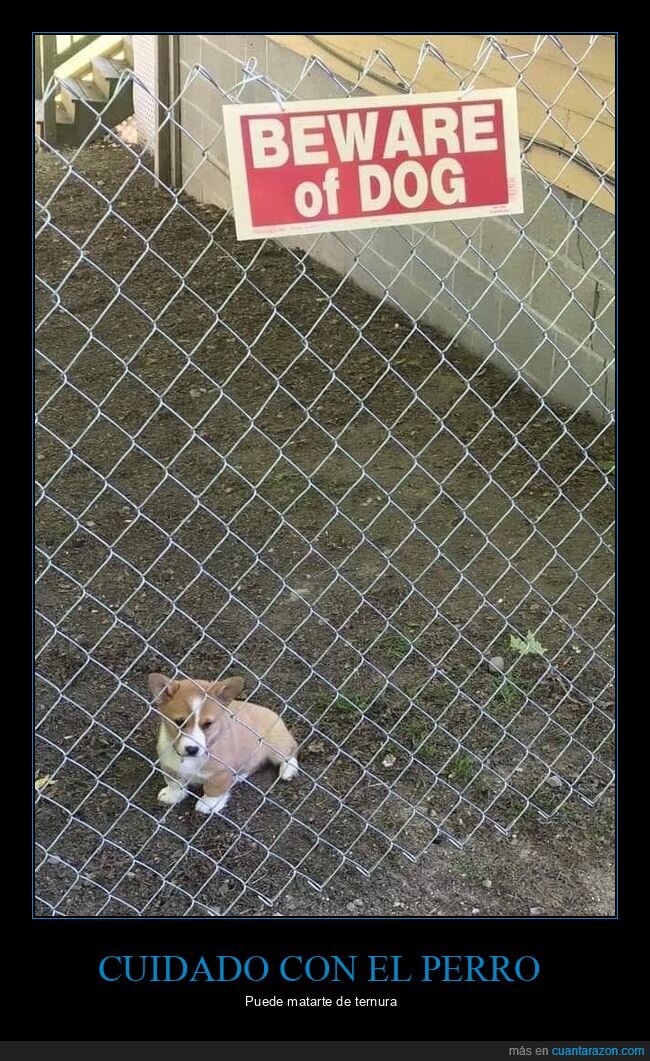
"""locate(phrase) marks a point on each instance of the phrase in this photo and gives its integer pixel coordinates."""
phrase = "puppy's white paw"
(171, 794)
(212, 804)
(289, 769)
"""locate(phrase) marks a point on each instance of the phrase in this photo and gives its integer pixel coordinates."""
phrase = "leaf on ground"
(43, 782)
(530, 647)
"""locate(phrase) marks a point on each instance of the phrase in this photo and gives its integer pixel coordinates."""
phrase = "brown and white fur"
(209, 738)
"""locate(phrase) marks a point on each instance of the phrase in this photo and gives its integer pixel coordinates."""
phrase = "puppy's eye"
(206, 725)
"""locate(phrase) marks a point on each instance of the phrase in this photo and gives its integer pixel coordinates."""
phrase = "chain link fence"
(269, 460)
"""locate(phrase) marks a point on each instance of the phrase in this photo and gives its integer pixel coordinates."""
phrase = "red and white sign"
(360, 163)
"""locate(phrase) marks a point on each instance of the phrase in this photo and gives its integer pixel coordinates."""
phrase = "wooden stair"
(92, 102)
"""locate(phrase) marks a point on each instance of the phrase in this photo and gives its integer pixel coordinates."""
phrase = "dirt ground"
(249, 465)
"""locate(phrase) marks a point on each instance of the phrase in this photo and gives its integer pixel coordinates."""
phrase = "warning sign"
(310, 166)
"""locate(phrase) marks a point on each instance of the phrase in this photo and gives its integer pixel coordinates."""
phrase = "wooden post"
(38, 70)
(162, 155)
(48, 66)
(175, 88)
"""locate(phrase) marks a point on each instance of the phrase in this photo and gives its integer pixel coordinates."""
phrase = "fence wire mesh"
(251, 462)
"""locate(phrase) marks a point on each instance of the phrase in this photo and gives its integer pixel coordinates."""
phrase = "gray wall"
(534, 292)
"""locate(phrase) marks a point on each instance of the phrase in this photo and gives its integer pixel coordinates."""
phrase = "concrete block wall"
(534, 293)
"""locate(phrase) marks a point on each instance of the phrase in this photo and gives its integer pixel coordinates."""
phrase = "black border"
(591, 969)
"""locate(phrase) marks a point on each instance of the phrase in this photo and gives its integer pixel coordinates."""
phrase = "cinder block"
(481, 298)
(225, 71)
(192, 123)
(510, 255)
(549, 223)
(393, 244)
(215, 186)
(189, 48)
(233, 44)
(202, 179)
(429, 287)
(214, 143)
(191, 159)
(212, 130)
(562, 307)
(457, 236)
(192, 184)
(415, 302)
(537, 368)
(446, 316)
(606, 315)
(584, 282)
(580, 381)
(592, 244)
(250, 91)
(329, 250)
(573, 206)
(380, 277)
(471, 259)
(565, 344)
(189, 96)
(510, 308)
(381, 269)
(534, 192)
(606, 327)
(283, 67)
(475, 341)
(205, 96)
(610, 388)
(318, 84)
(476, 309)
(563, 302)
(431, 266)
(522, 338)
(253, 91)
(431, 259)
(255, 48)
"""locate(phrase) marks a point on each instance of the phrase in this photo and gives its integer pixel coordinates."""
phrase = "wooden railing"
(53, 49)
(48, 55)
(75, 42)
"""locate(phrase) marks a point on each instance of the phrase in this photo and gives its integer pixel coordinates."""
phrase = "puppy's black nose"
(192, 750)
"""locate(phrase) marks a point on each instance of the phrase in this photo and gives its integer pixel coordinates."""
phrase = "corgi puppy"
(208, 737)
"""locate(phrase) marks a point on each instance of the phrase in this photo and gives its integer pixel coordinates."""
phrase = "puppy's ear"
(161, 687)
(227, 690)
